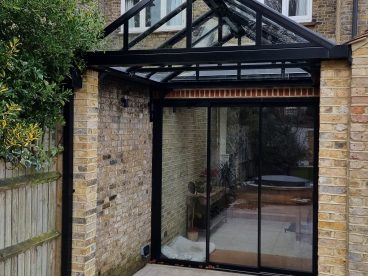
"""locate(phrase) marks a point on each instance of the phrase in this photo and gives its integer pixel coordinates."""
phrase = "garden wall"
(124, 168)
(112, 176)
(184, 158)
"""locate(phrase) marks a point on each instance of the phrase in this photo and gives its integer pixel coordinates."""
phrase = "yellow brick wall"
(333, 170)
(85, 176)
(358, 162)
(184, 158)
(343, 165)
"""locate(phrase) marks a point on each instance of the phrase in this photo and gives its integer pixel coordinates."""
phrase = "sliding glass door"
(233, 203)
(286, 182)
(238, 185)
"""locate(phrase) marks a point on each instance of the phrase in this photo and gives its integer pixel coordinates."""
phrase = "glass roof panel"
(245, 74)
(273, 33)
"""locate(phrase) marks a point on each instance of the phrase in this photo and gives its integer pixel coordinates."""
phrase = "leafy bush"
(40, 40)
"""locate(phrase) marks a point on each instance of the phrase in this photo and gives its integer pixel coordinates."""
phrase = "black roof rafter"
(270, 40)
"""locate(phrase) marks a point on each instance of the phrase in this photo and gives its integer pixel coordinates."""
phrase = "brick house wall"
(112, 158)
(358, 161)
(333, 167)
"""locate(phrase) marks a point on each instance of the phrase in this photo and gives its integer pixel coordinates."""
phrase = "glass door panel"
(287, 188)
(184, 161)
(233, 201)
(256, 208)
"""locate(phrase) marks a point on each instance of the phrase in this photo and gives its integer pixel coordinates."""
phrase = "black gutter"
(67, 190)
(354, 26)
(209, 55)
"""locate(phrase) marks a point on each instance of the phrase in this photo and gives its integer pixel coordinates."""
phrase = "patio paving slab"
(165, 270)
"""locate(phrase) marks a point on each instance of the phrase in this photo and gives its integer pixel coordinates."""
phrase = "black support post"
(67, 190)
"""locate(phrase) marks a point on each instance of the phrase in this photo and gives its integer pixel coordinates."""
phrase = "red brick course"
(274, 92)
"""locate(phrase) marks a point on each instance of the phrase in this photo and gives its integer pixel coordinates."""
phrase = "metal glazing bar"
(220, 28)
(189, 23)
(226, 67)
(123, 19)
(283, 70)
(126, 36)
(258, 28)
(238, 71)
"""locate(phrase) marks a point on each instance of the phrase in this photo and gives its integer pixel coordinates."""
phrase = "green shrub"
(40, 41)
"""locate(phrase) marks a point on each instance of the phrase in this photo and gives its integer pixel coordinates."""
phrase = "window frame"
(301, 18)
(142, 17)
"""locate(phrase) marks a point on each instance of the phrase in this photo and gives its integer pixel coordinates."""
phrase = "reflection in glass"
(274, 4)
(206, 34)
(233, 203)
(184, 159)
(261, 166)
(273, 33)
(287, 188)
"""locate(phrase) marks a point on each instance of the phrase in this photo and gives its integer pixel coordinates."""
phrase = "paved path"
(165, 270)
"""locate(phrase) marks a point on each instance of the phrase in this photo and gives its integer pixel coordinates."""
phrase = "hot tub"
(280, 189)
(283, 181)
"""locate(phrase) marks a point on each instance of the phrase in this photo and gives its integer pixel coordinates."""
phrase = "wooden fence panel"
(28, 219)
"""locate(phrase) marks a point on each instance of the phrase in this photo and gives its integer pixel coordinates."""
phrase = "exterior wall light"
(124, 101)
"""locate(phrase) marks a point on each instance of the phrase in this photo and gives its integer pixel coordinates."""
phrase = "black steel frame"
(67, 190)
(165, 57)
(157, 179)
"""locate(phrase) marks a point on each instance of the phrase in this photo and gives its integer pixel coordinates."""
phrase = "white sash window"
(151, 15)
(298, 10)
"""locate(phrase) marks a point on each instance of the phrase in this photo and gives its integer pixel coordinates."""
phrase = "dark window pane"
(134, 22)
(153, 13)
(298, 7)
(287, 188)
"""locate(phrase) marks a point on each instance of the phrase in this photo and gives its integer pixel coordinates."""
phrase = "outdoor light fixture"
(124, 101)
